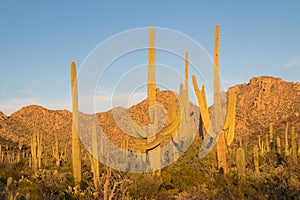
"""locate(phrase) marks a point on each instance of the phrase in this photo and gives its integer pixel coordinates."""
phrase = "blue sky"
(38, 39)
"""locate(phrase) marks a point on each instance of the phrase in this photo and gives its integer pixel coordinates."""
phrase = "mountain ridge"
(261, 101)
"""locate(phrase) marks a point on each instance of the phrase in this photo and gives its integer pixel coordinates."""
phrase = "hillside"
(262, 101)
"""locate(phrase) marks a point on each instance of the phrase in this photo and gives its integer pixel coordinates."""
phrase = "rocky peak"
(265, 100)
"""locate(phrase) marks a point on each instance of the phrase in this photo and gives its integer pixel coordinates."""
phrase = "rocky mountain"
(262, 101)
(266, 100)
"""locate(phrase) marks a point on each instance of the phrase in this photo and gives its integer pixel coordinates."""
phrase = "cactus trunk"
(76, 157)
(286, 141)
(294, 144)
(240, 163)
(95, 157)
(255, 158)
(227, 133)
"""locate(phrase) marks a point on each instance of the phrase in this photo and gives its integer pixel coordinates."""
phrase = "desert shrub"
(144, 186)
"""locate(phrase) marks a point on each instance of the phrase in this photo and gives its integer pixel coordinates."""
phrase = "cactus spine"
(255, 158)
(76, 157)
(241, 164)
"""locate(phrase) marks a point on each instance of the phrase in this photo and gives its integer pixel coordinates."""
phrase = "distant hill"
(262, 101)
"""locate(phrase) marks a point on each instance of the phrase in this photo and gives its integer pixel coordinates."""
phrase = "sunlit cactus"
(278, 144)
(201, 97)
(271, 131)
(146, 145)
(255, 158)
(95, 163)
(240, 163)
(227, 133)
(36, 150)
(39, 150)
(19, 152)
(55, 151)
(267, 143)
(294, 144)
(152, 79)
(230, 119)
(271, 136)
(76, 157)
(262, 150)
(286, 141)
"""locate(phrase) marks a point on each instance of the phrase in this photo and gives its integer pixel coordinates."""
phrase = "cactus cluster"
(273, 144)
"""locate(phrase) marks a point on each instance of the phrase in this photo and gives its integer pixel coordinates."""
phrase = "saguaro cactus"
(185, 97)
(36, 149)
(95, 157)
(76, 157)
(278, 144)
(294, 144)
(286, 141)
(55, 151)
(227, 133)
(271, 136)
(255, 158)
(19, 152)
(151, 76)
(240, 163)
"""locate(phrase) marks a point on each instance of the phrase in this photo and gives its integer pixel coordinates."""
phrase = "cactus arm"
(230, 119)
(138, 130)
(150, 145)
(203, 109)
(173, 126)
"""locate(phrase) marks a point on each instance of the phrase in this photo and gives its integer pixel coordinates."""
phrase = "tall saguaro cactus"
(221, 144)
(95, 157)
(286, 141)
(36, 150)
(255, 158)
(151, 75)
(227, 133)
(76, 157)
(186, 92)
(186, 72)
(294, 144)
(55, 151)
(240, 163)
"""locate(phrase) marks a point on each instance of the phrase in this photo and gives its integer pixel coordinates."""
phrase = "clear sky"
(38, 39)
